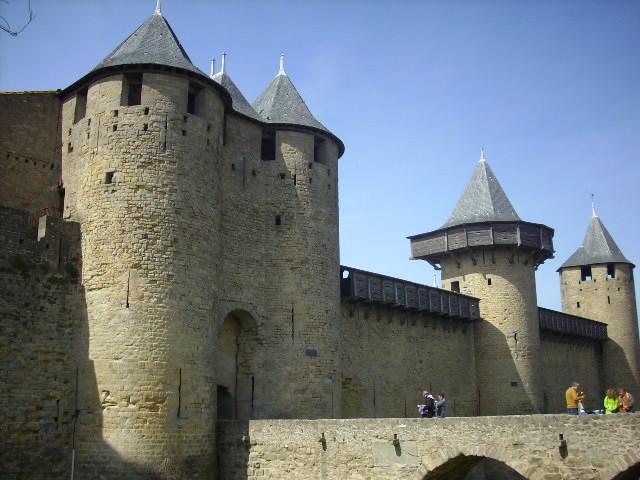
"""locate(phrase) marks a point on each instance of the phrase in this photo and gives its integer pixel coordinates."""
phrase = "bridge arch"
(235, 364)
(631, 473)
(473, 467)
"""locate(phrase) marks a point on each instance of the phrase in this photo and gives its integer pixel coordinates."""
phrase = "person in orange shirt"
(574, 395)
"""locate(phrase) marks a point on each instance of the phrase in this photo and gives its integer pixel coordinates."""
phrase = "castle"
(170, 258)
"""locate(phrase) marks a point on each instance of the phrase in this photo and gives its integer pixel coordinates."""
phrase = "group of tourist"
(433, 407)
(614, 401)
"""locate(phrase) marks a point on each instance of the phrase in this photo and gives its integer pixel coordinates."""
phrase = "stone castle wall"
(389, 357)
(40, 312)
(612, 301)
(507, 341)
(429, 449)
(30, 151)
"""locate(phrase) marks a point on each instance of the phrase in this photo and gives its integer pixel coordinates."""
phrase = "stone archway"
(235, 366)
(470, 467)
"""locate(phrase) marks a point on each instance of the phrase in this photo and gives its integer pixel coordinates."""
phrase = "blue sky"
(551, 90)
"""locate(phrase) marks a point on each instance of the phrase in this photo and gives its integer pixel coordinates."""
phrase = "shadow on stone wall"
(233, 445)
(501, 393)
(623, 376)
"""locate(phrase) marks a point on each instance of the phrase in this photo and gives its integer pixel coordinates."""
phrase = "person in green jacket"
(611, 402)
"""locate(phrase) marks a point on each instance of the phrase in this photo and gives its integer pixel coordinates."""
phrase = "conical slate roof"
(154, 42)
(483, 200)
(239, 102)
(281, 103)
(598, 246)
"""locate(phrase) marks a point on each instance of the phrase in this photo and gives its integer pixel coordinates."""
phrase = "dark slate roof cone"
(281, 103)
(153, 43)
(598, 246)
(483, 199)
(239, 102)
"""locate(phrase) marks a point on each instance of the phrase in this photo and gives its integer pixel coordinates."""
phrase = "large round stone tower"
(142, 140)
(303, 296)
(485, 250)
(597, 283)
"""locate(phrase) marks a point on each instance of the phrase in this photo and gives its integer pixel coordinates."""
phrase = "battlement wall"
(29, 150)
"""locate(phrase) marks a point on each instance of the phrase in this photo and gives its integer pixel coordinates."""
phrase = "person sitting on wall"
(441, 406)
(625, 401)
(574, 395)
(611, 404)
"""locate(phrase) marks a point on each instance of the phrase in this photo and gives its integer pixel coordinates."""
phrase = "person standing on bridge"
(574, 395)
(441, 406)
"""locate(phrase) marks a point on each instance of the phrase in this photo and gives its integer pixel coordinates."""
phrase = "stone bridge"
(478, 448)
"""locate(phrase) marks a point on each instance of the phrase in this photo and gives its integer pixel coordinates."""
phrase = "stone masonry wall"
(142, 181)
(612, 301)
(278, 269)
(389, 357)
(566, 360)
(29, 150)
(40, 313)
(507, 340)
(429, 449)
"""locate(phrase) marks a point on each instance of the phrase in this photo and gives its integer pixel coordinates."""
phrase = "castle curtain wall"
(40, 320)
(390, 356)
(568, 359)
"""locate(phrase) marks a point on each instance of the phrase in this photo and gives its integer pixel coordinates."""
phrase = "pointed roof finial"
(223, 67)
(281, 71)
(435, 280)
(158, 7)
(482, 159)
(212, 71)
(593, 205)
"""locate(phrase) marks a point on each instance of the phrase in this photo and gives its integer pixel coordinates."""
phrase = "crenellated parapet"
(38, 239)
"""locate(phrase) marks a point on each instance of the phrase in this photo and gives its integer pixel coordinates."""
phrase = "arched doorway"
(470, 467)
(235, 366)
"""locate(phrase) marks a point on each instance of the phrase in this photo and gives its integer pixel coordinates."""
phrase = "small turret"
(485, 250)
(238, 100)
(597, 282)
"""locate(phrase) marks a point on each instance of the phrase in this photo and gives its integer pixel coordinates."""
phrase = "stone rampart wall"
(40, 312)
(390, 356)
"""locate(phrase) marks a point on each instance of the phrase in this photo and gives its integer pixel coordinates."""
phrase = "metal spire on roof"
(593, 206)
(158, 7)
(281, 71)
(482, 159)
(212, 71)
(435, 280)
(224, 61)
